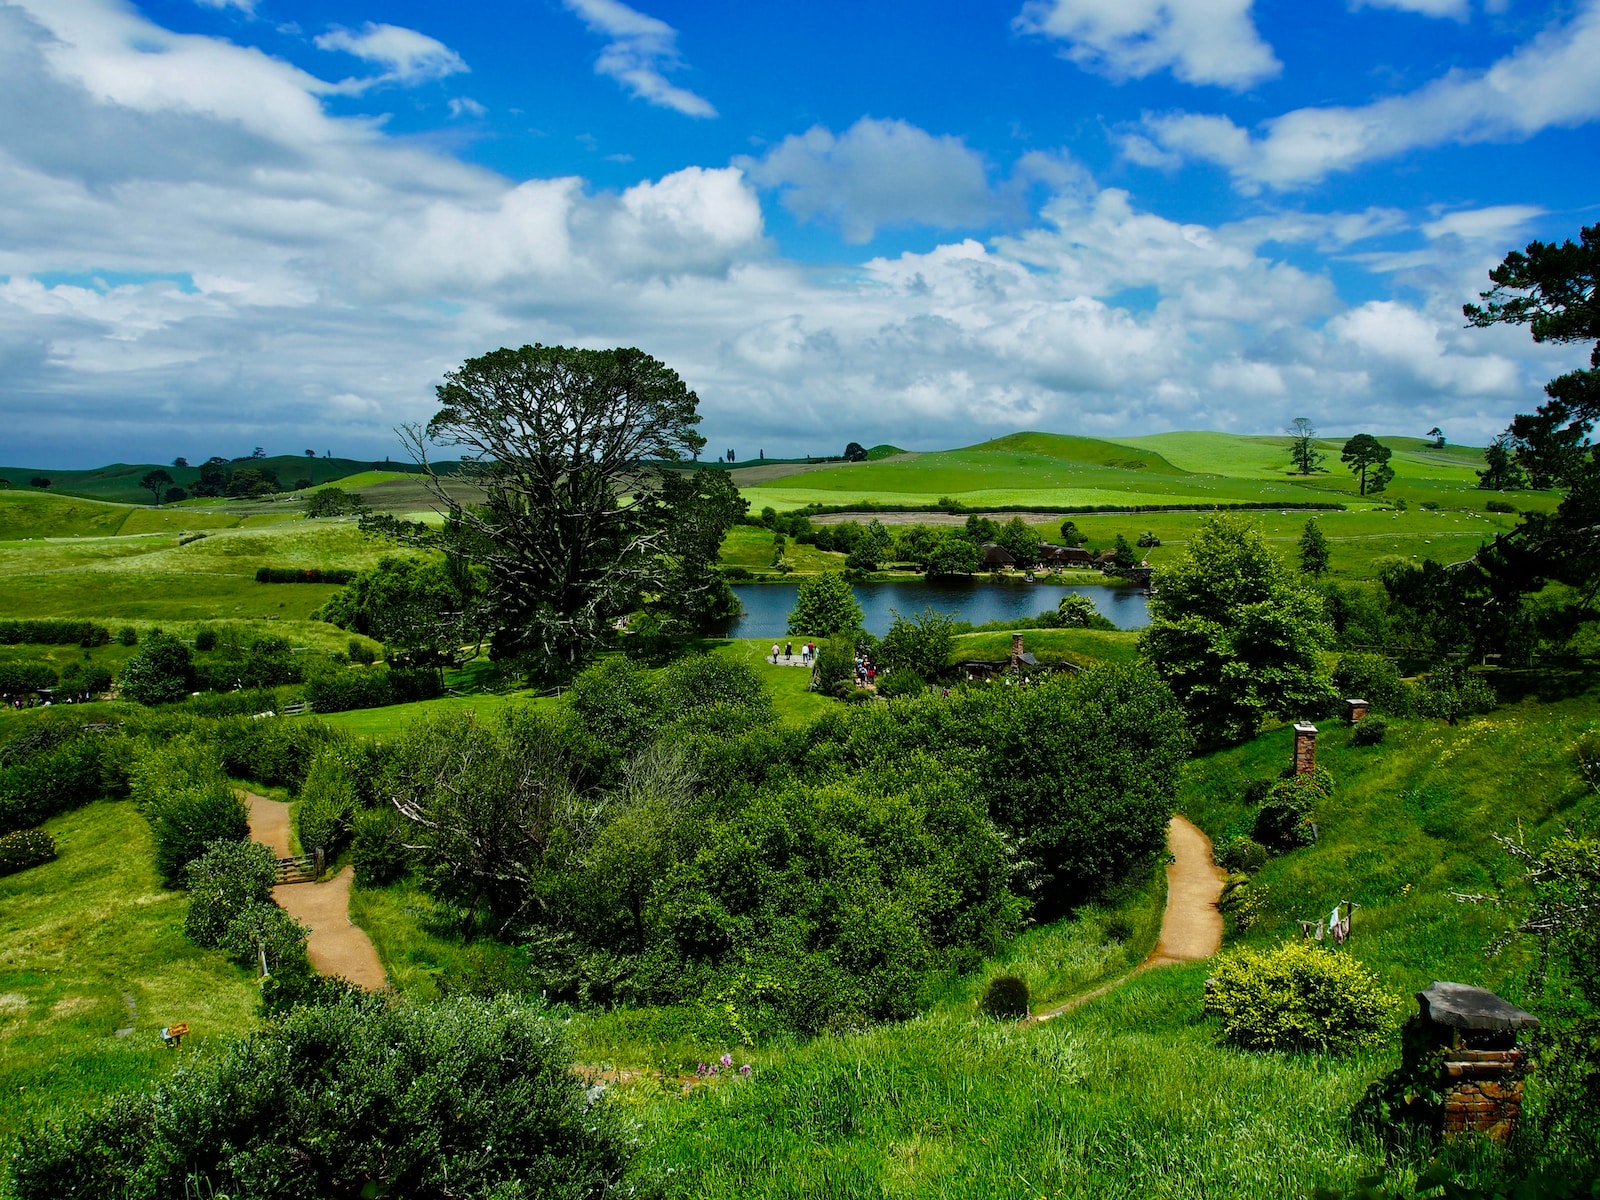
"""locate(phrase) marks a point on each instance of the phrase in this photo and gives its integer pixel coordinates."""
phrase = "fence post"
(319, 862)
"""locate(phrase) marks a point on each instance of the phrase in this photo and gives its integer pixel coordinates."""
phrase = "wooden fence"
(302, 868)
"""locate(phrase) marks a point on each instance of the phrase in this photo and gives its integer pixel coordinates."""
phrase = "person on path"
(788, 651)
(774, 653)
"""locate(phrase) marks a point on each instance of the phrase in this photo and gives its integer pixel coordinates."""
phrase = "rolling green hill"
(120, 481)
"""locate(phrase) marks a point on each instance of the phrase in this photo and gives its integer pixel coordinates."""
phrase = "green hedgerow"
(1300, 996)
(224, 881)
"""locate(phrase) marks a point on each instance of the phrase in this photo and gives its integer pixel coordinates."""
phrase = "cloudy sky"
(237, 222)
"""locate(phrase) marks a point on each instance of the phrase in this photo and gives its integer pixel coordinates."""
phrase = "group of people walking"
(785, 655)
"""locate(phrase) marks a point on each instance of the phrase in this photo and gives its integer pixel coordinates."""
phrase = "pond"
(767, 605)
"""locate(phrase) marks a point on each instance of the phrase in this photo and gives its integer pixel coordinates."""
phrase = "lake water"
(767, 605)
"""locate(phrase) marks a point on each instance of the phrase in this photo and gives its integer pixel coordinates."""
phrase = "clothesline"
(1333, 926)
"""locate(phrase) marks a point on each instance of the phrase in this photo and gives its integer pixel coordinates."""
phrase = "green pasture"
(91, 944)
(1054, 470)
(120, 481)
(750, 547)
(1084, 647)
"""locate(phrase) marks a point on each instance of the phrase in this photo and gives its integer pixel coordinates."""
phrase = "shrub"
(823, 606)
(1243, 855)
(85, 677)
(128, 636)
(53, 633)
(378, 848)
(616, 699)
(1369, 731)
(463, 1098)
(737, 574)
(160, 673)
(59, 772)
(224, 881)
(1300, 996)
(370, 687)
(1499, 506)
(277, 752)
(900, 683)
(1285, 819)
(1451, 693)
(261, 931)
(338, 575)
(704, 681)
(919, 644)
(362, 652)
(186, 798)
(18, 677)
(25, 848)
(1373, 678)
(338, 782)
(835, 666)
(1005, 998)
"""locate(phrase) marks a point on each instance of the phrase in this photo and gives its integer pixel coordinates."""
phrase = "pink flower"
(727, 1060)
(745, 1070)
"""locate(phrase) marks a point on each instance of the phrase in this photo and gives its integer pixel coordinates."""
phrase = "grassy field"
(120, 481)
(91, 944)
(1055, 470)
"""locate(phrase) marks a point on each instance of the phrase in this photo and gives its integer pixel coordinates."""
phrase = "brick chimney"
(1016, 651)
(1305, 747)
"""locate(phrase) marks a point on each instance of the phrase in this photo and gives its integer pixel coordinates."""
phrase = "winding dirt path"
(337, 946)
(1191, 928)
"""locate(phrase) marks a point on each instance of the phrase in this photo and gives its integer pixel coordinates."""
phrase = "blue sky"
(242, 222)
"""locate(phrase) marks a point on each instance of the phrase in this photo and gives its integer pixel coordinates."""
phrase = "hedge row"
(25, 848)
(53, 633)
(49, 782)
(26, 677)
(370, 687)
(955, 506)
(339, 575)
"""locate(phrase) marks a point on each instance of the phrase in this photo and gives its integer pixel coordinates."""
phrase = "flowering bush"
(1300, 996)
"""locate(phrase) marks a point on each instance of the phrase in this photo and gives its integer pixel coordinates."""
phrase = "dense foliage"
(54, 633)
(1299, 996)
(224, 882)
(370, 687)
(662, 840)
(25, 848)
(353, 1099)
(1235, 634)
(161, 672)
(824, 605)
(48, 769)
(180, 787)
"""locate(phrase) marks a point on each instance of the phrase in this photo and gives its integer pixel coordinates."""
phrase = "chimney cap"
(1474, 1009)
(1304, 727)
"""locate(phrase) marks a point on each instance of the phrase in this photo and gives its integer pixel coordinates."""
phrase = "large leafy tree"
(1501, 470)
(695, 510)
(1314, 553)
(1551, 289)
(572, 530)
(1019, 541)
(1235, 634)
(1368, 460)
(417, 610)
(824, 605)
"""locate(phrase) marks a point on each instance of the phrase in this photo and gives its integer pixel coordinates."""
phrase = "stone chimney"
(1305, 747)
(1354, 710)
(1472, 1035)
(1016, 651)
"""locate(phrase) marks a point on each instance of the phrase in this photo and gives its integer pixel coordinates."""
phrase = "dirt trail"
(336, 946)
(269, 823)
(1191, 928)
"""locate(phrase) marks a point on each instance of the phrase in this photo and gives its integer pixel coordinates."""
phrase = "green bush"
(616, 699)
(59, 771)
(1005, 998)
(835, 665)
(919, 644)
(701, 681)
(22, 677)
(1373, 678)
(900, 683)
(1300, 996)
(378, 848)
(461, 1098)
(86, 677)
(262, 932)
(1451, 693)
(1369, 731)
(1243, 855)
(362, 652)
(338, 782)
(128, 636)
(824, 605)
(1499, 506)
(223, 882)
(160, 673)
(275, 751)
(370, 687)
(337, 575)
(205, 639)
(25, 848)
(181, 788)
(1287, 814)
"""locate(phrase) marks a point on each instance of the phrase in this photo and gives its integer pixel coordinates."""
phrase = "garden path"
(337, 946)
(1191, 928)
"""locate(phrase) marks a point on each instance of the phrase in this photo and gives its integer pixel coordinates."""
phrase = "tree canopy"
(824, 605)
(155, 482)
(1235, 634)
(1368, 460)
(578, 520)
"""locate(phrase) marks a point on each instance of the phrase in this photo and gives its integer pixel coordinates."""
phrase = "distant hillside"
(1087, 451)
(120, 481)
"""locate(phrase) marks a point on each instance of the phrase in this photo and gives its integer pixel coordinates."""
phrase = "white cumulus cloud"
(877, 173)
(641, 51)
(1199, 41)
(1550, 81)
